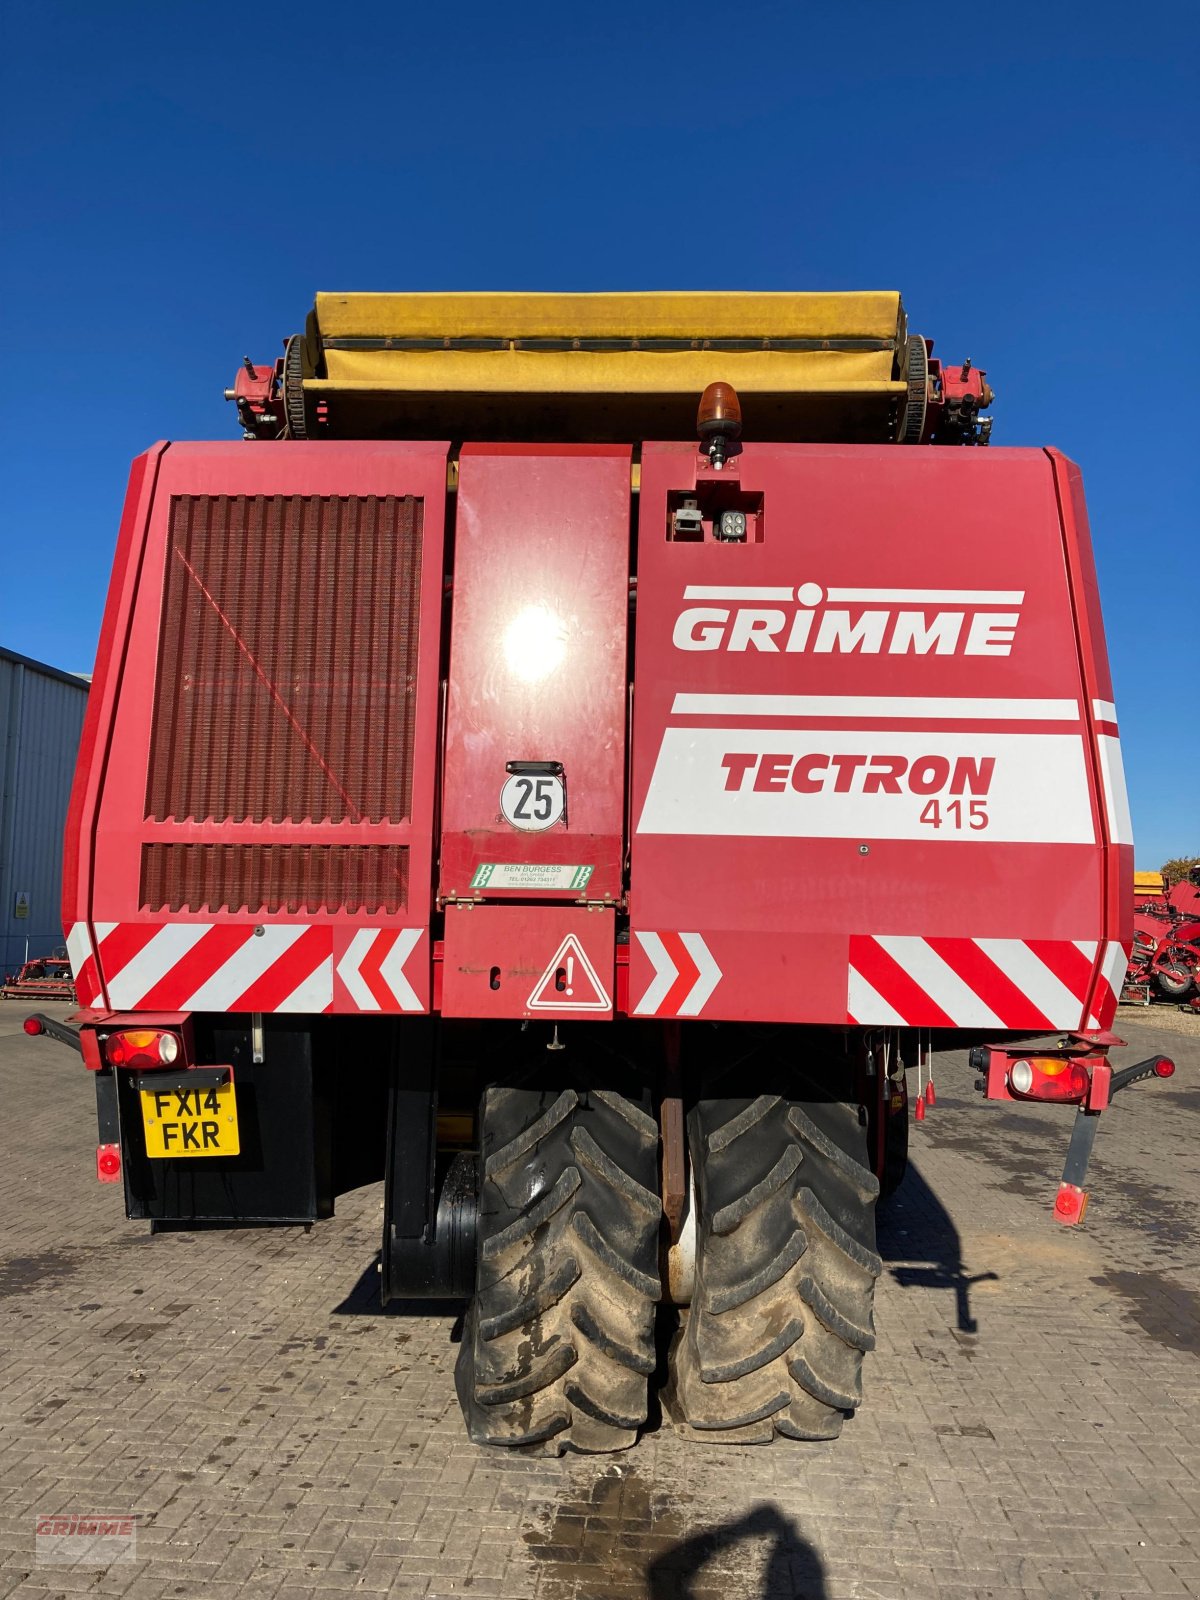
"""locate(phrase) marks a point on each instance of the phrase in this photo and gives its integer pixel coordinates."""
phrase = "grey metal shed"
(41, 718)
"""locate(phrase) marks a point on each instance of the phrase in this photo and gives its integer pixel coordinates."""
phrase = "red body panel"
(901, 631)
(223, 958)
(873, 771)
(538, 666)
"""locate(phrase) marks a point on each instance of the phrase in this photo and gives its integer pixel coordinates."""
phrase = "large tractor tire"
(781, 1311)
(558, 1344)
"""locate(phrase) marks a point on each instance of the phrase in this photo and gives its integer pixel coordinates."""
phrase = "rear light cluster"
(1048, 1078)
(142, 1047)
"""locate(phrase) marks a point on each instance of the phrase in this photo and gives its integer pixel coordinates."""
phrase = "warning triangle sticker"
(569, 983)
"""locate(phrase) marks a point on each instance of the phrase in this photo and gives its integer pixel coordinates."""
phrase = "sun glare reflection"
(535, 644)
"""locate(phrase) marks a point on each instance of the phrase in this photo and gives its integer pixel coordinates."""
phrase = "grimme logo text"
(934, 622)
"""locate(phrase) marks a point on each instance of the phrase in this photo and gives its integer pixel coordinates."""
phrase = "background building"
(41, 717)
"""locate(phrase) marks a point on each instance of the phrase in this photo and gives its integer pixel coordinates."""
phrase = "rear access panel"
(873, 780)
(548, 961)
(534, 778)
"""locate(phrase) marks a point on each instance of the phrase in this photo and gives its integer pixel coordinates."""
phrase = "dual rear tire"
(559, 1345)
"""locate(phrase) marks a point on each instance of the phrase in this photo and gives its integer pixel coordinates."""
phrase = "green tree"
(1177, 868)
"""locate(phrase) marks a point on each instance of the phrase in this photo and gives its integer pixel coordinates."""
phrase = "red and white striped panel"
(1109, 985)
(205, 966)
(372, 969)
(981, 983)
(83, 964)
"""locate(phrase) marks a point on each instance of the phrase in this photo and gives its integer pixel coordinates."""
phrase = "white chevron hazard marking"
(710, 974)
(665, 973)
(391, 969)
(347, 969)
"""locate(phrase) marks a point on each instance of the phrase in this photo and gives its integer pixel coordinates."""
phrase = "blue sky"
(179, 180)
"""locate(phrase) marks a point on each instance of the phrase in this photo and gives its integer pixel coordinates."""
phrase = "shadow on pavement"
(916, 1232)
(794, 1570)
(363, 1301)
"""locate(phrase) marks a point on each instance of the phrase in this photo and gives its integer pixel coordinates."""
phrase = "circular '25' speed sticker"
(532, 803)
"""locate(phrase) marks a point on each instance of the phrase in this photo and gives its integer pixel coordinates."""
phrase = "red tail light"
(1164, 1066)
(108, 1163)
(1048, 1078)
(142, 1047)
(32, 1025)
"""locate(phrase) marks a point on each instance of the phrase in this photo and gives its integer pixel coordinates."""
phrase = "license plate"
(191, 1122)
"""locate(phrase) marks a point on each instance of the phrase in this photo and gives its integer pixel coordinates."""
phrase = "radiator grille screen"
(271, 878)
(287, 669)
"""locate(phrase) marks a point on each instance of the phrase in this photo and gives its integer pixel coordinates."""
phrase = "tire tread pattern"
(558, 1343)
(786, 1264)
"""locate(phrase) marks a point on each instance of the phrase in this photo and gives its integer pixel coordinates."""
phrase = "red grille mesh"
(288, 661)
(271, 878)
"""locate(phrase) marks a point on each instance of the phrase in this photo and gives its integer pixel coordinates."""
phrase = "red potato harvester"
(569, 761)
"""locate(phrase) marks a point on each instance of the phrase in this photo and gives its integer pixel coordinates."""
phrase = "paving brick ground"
(1031, 1427)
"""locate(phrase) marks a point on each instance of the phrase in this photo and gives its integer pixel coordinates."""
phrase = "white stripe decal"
(79, 947)
(1104, 710)
(1116, 798)
(1037, 785)
(315, 993)
(391, 968)
(725, 591)
(940, 982)
(865, 1004)
(244, 967)
(881, 706)
(934, 597)
(1033, 977)
(1113, 967)
(347, 969)
(1088, 948)
(665, 973)
(103, 929)
(709, 978)
(152, 963)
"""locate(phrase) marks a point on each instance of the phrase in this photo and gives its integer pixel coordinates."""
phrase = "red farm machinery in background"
(492, 788)
(1165, 961)
(43, 978)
